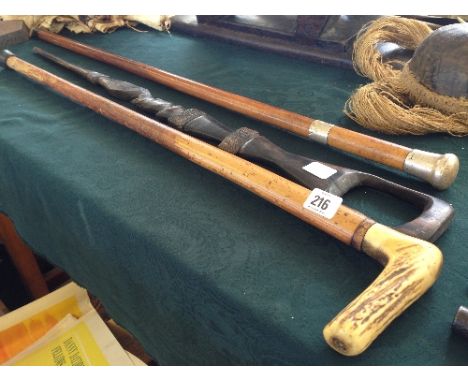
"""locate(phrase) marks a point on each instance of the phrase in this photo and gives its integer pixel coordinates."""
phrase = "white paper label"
(320, 170)
(323, 203)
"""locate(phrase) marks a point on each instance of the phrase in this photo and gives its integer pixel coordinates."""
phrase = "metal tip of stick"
(4, 55)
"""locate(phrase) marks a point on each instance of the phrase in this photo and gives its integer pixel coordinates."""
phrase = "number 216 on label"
(323, 203)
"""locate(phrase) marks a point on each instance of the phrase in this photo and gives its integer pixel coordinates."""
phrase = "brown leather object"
(440, 63)
(12, 32)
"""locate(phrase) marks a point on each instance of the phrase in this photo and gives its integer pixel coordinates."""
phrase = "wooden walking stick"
(411, 265)
(440, 170)
(429, 225)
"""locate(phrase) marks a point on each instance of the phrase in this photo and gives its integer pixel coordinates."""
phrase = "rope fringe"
(396, 103)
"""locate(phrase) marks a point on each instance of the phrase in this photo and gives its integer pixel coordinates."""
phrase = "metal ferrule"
(318, 131)
(4, 55)
(440, 170)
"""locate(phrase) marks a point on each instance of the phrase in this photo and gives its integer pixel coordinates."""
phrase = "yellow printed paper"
(75, 343)
(22, 327)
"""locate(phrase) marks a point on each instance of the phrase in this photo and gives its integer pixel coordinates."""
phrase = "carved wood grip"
(411, 267)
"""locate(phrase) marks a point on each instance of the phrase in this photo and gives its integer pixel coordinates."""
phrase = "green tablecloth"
(199, 270)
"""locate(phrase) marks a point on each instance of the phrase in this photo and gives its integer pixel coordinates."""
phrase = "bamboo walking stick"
(411, 265)
(440, 170)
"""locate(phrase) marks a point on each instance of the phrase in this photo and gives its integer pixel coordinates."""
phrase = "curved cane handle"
(411, 267)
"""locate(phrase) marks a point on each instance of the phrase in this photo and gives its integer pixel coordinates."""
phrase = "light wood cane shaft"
(274, 188)
(411, 265)
(365, 146)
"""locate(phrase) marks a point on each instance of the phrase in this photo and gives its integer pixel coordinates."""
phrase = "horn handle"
(411, 267)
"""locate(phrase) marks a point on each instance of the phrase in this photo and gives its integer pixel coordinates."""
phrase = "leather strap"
(234, 141)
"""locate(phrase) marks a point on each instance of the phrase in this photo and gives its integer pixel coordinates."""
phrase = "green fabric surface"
(198, 269)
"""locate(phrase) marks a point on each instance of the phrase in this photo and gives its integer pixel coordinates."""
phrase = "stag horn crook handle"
(411, 267)
(432, 222)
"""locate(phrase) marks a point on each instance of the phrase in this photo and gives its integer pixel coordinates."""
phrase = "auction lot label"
(323, 203)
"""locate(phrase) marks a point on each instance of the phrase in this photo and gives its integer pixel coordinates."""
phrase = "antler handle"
(411, 267)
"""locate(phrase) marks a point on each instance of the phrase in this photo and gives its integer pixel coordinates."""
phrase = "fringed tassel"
(396, 103)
